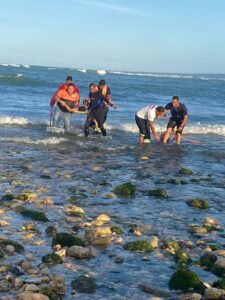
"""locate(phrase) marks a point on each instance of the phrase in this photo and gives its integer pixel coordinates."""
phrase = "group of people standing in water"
(96, 105)
(67, 100)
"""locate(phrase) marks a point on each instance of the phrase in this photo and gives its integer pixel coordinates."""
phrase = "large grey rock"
(79, 252)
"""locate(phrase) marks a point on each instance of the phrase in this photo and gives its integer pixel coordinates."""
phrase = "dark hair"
(160, 109)
(91, 85)
(102, 82)
(70, 84)
(175, 98)
(69, 78)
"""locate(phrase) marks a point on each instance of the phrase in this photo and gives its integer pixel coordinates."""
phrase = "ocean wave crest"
(28, 140)
(201, 129)
(168, 75)
(4, 120)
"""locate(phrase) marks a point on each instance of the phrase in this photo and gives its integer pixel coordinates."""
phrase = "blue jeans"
(65, 117)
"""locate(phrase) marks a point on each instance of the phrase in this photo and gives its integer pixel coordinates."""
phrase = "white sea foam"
(4, 120)
(5, 76)
(82, 70)
(26, 66)
(19, 75)
(14, 65)
(160, 75)
(101, 72)
(217, 129)
(166, 75)
(28, 140)
(4, 65)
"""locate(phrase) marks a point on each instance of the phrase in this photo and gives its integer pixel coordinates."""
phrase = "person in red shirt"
(67, 103)
(63, 86)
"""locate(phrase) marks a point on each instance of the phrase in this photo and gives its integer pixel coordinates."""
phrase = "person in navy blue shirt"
(96, 107)
(178, 119)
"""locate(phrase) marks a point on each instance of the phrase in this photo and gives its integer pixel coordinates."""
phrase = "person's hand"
(165, 116)
(156, 137)
(179, 129)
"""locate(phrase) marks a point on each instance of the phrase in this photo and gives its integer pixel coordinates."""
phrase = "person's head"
(160, 111)
(93, 87)
(70, 88)
(175, 101)
(69, 79)
(101, 84)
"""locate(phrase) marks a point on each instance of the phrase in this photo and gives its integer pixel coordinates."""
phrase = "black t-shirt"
(178, 113)
(107, 92)
(95, 100)
(69, 103)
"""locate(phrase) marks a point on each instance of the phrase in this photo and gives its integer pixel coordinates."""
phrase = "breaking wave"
(201, 129)
(28, 140)
(169, 75)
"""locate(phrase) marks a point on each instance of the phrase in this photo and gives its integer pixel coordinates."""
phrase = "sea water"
(94, 166)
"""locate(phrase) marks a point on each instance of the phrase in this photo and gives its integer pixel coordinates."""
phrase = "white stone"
(31, 296)
(213, 293)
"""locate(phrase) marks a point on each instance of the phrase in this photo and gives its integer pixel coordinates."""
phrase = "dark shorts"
(143, 126)
(175, 123)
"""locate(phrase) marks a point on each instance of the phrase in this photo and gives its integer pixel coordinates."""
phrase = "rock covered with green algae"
(198, 203)
(182, 257)
(51, 230)
(56, 289)
(34, 215)
(84, 284)
(220, 284)
(51, 258)
(185, 171)
(15, 244)
(207, 260)
(219, 267)
(139, 246)
(67, 239)
(8, 197)
(117, 229)
(159, 193)
(171, 245)
(125, 190)
(50, 293)
(185, 280)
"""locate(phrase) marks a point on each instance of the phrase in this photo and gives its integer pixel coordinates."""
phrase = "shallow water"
(94, 166)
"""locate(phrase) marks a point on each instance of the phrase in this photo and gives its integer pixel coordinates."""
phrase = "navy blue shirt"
(95, 100)
(178, 113)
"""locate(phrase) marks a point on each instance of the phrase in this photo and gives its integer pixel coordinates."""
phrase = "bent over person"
(178, 119)
(145, 118)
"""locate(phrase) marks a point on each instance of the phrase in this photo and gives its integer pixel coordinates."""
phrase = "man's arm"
(183, 122)
(58, 100)
(152, 126)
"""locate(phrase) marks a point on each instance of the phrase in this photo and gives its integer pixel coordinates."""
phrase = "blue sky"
(129, 35)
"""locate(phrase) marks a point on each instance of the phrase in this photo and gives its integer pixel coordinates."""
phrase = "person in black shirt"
(105, 93)
(178, 119)
(96, 110)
